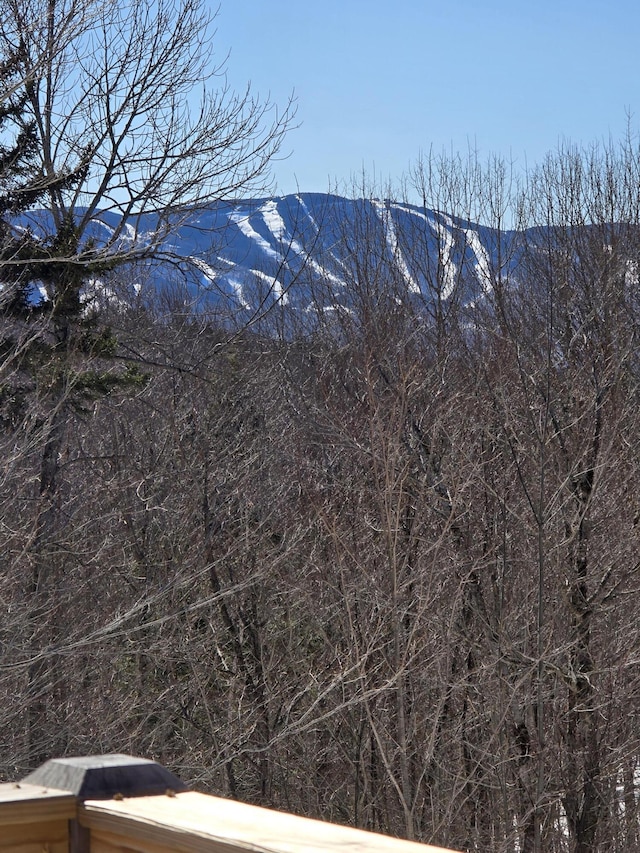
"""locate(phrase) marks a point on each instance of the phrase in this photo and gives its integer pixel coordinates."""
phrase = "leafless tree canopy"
(381, 569)
(129, 97)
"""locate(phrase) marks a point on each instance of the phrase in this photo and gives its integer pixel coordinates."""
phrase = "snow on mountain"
(311, 249)
(384, 211)
(306, 248)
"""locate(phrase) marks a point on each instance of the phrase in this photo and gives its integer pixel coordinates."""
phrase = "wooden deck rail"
(120, 804)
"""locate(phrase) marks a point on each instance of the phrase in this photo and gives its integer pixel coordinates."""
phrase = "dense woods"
(381, 571)
(379, 565)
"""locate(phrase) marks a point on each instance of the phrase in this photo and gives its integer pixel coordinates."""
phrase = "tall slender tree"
(97, 117)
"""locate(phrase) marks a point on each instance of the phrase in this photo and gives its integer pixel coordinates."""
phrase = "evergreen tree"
(55, 356)
(45, 325)
(20, 186)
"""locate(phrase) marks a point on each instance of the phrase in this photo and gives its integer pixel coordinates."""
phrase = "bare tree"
(126, 96)
(125, 114)
(382, 569)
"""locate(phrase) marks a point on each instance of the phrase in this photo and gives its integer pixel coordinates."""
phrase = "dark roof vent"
(101, 777)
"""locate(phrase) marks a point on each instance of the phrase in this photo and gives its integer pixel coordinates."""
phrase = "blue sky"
(377, 83)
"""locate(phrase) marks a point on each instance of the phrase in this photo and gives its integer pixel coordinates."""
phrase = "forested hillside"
(376, 564)
(384, 571)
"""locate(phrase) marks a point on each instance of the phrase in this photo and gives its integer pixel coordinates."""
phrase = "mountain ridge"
(307, 248)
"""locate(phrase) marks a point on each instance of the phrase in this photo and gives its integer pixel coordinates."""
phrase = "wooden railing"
(120, 804)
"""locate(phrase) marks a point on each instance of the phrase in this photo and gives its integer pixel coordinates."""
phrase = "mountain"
(310, 250)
